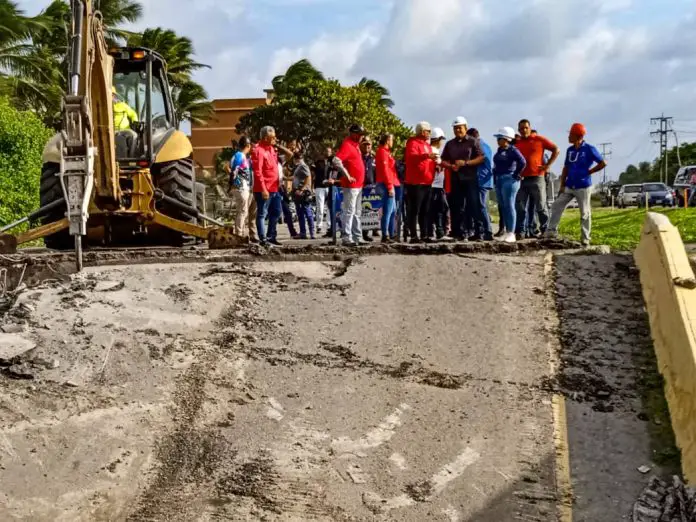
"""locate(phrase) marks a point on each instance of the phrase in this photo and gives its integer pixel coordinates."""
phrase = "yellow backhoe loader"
(124, 182)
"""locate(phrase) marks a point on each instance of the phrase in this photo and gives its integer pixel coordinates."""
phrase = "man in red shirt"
(264, 160)
(420, 171)
(533, 186)
(349, 162)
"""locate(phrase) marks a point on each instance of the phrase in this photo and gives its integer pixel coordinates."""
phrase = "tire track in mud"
(191, 454)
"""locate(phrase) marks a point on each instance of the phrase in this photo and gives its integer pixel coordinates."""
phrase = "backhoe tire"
(200, 200)
(177, 180)
(49, 192)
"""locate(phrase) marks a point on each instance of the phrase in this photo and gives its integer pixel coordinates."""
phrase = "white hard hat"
(437, 134)
(505, 132)
(459, 120)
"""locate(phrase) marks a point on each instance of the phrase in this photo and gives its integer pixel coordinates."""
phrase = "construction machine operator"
(124, 116)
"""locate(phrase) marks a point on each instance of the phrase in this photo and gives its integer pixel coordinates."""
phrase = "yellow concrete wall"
(663, 262)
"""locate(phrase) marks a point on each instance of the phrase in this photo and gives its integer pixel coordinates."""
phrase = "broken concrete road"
(387, 388)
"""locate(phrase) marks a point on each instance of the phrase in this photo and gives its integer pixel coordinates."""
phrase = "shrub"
(22, 139)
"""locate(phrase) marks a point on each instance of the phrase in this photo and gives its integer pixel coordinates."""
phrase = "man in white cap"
(420, 171)
(437, 224)
(462, 155)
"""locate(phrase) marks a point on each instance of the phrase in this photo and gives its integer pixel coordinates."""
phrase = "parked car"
(656, 194)
(629, 195)
(684, 180)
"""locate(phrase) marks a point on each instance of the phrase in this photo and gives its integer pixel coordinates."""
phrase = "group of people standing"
(441, 187)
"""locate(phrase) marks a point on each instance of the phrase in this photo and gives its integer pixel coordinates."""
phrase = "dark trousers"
(287, 216)
(465, 206)
(417, 206)
(305, 217)
(267, 208)
(533, 194)
(438, 213)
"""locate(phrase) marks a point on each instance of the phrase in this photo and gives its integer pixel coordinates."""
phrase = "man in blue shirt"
(483, 230)
(576, 181)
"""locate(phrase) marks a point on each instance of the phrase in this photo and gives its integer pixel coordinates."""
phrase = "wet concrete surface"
(388, 387)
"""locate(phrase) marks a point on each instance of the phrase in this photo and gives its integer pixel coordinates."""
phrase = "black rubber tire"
(200, 201)
(177, 180)
(49, 192)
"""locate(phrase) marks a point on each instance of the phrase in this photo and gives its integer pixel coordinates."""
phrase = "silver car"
(629, 195)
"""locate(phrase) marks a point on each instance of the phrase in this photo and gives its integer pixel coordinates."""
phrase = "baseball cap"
(357, 129)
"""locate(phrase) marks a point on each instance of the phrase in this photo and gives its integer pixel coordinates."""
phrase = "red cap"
(578, 129)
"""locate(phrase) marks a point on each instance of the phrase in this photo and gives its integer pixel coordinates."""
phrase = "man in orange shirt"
(533, 187)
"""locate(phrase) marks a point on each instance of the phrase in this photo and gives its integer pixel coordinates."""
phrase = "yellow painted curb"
(670, 298)
(560, 438)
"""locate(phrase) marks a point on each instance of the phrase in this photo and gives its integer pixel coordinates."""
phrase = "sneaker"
(518, 237)
(349, 244)
(300, 237)
(328, 234)
(585, 243)
(415, 241)
(550, 235)
(275, 242)
(500, 234)
(488, 237)
(475, 237)
(264, 243)
(367, 238)
(510, 238)
(387, 240)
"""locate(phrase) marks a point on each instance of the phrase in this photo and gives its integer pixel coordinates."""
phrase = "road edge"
(669, 292)
(564, 485)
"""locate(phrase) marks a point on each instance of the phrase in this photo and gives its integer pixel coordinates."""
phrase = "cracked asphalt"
(391, 387)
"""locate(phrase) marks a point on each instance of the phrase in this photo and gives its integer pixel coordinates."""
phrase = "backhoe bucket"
(220, 238)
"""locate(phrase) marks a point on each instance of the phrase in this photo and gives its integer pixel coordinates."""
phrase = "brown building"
(209, 139)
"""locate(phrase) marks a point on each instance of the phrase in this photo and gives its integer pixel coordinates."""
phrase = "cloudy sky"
(611, 64)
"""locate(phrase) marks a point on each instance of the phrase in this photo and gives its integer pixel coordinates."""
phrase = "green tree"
(318, 112)
(374, 85)
(22, 138)
(191, 102)
(190, 98)
(298, 73)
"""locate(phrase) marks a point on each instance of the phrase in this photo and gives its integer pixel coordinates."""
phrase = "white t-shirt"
(439, 179)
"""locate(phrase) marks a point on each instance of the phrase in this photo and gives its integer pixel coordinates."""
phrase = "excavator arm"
(87, 151)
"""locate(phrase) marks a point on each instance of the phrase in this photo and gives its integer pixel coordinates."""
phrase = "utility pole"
(605, 154)
(665, 123)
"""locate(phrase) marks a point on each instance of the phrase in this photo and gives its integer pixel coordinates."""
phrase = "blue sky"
(611, 64)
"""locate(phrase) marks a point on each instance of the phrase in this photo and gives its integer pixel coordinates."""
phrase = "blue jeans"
(483, 223)
(305, 217)
(508, 187)
(499, 198)
(399, 214)
(388, 212)
(271, 208)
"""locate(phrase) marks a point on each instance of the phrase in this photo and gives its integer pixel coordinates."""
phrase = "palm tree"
(297, 74)
(191, 102)
(176, 50)
(117, 13)
(25, 72)
(374, 85)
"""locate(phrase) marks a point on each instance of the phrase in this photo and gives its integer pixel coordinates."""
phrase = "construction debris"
(662, 502)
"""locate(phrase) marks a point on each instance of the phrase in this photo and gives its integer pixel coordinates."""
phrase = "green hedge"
(22, 139)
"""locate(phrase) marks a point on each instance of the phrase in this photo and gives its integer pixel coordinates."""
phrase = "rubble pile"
(663, 502)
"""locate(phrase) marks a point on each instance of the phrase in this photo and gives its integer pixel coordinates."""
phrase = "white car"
(629, 195)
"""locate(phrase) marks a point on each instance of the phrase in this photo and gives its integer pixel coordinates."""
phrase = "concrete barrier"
(669, 290)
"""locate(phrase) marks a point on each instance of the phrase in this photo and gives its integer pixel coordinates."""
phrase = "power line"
(605, 154)
(662, 134)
